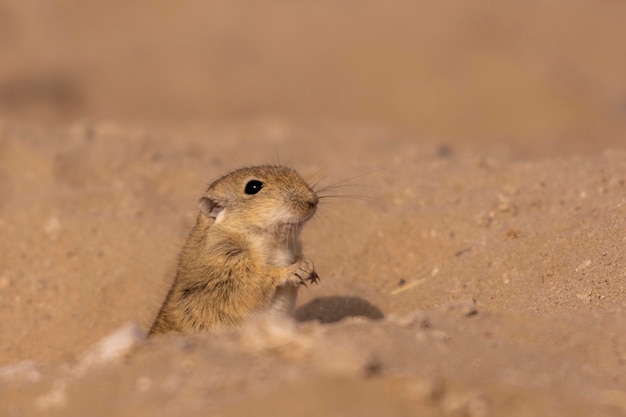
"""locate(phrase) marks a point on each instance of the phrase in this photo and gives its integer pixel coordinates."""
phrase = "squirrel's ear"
(209, 208)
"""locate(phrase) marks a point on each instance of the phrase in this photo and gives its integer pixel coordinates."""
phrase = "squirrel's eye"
(253, 187)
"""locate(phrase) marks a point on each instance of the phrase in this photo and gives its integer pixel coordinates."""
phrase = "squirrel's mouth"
(293, 219)
(300, 215)
(297, 223)
(309, 214)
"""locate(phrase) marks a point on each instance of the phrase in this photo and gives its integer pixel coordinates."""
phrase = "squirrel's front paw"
(303, 271)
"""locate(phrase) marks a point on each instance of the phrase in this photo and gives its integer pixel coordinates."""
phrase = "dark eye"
(253, 187)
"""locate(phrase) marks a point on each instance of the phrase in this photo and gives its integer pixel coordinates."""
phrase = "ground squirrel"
(244, 253)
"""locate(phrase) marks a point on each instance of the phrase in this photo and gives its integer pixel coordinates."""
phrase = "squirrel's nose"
(312, 201)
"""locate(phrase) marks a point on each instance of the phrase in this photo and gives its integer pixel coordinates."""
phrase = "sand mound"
(456, 283)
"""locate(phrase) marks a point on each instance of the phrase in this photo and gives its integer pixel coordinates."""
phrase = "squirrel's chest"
(281, 256)
(276, 253)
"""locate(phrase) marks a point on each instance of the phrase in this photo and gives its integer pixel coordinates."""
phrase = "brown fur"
(243, 254)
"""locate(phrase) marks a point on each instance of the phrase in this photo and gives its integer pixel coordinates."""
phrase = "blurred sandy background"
(546, 76)
(481, 274)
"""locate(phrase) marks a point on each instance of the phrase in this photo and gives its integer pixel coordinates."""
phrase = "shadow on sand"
(333, 309)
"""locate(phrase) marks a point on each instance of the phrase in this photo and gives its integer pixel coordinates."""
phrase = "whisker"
(277, 154)
(345, 180)
(326, 220)
(323, 220)
(338, 186)
(309, 176)
(348, 196)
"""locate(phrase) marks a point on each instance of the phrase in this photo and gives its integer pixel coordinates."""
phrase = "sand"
(472, 259)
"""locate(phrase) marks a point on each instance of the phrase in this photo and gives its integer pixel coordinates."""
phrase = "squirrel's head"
(262, 197)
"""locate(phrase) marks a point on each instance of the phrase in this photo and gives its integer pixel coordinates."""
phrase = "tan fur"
(243, 254)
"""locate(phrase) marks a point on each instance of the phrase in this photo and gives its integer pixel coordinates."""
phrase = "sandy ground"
(473, 265)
